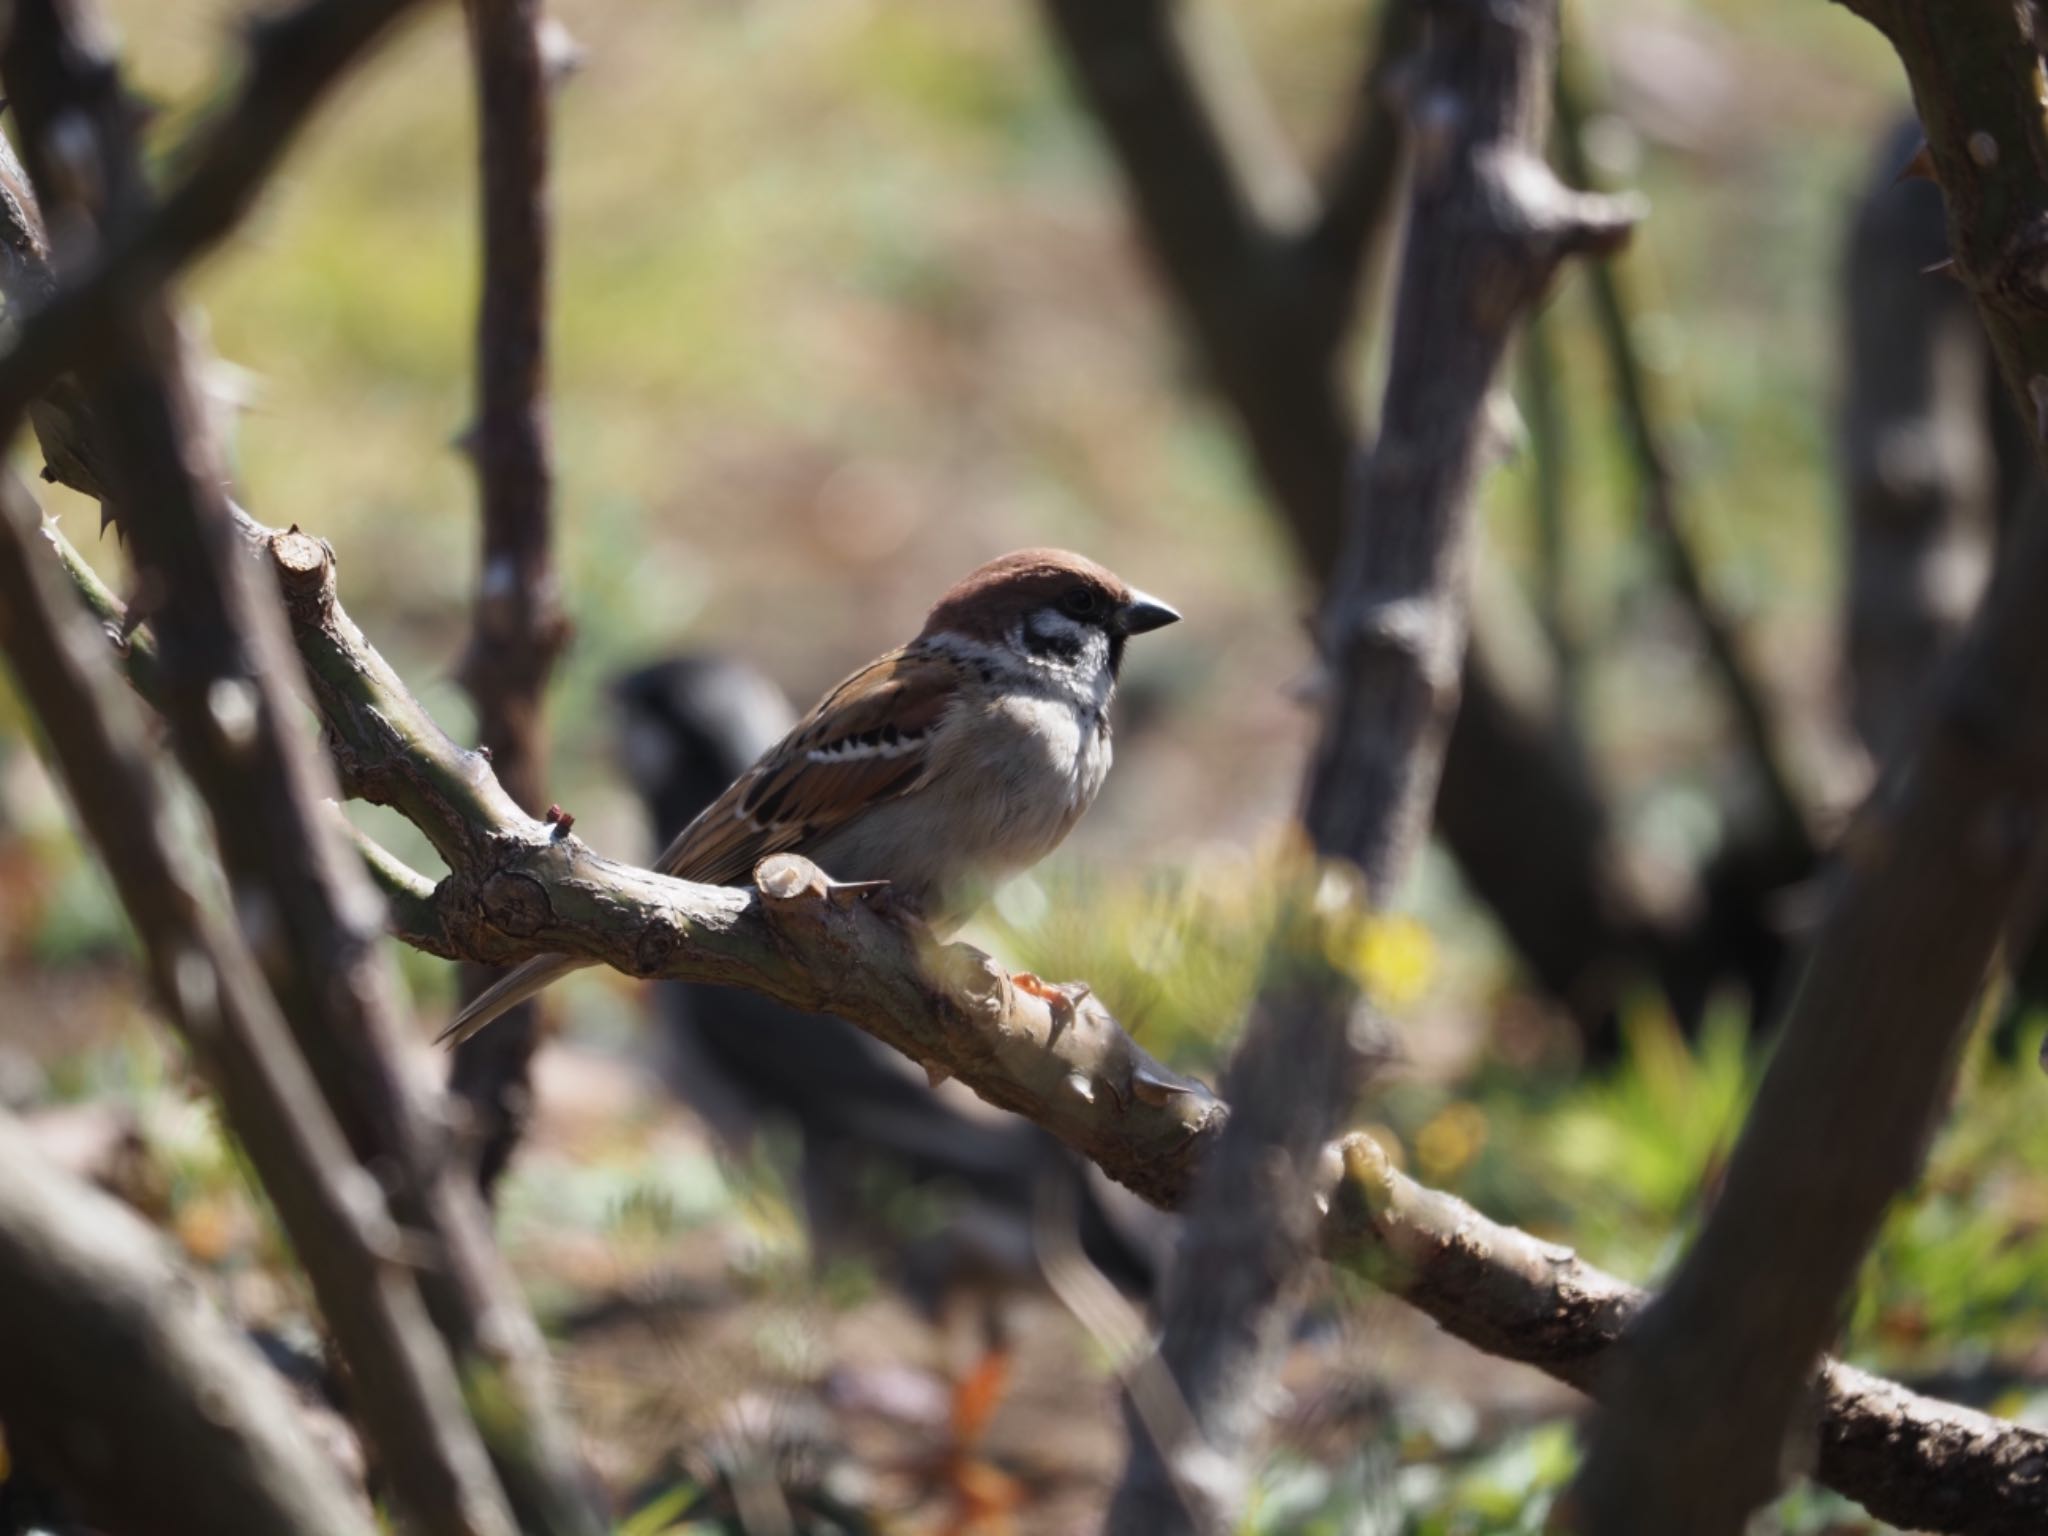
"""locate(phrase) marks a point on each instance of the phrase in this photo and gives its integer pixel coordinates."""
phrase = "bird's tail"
(527, 979)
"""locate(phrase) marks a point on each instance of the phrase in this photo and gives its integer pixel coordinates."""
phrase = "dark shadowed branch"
(517, 886)
(295, 56)
(200, 1436)
(1488, 229)
(225, 682)
(518, 627)
(210, 987)
(1340, 257)
(1920, 475)
(1789, 843)
(1706, 1411)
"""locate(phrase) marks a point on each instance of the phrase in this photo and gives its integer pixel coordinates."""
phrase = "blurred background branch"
(517, 624)
(1706, 1410)
(1487, 233)
(209, 985)
(203, 1433)
(225, 679)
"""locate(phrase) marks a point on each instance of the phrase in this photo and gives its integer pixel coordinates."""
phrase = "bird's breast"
(1009, 777)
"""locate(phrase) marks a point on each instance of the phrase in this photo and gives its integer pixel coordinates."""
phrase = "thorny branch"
(1912, 1461)
(295, 56)
(1788, 842)
(204, 1435)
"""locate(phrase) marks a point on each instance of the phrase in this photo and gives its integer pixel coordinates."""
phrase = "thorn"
(935, 1073)
(484, 753)
(1919, 168)
(467, 440)
(49, 474)
(1946, 267)
(1149, 1087)
(560, 820)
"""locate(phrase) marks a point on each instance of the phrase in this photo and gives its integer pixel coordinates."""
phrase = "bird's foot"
(1064, 998)
(977, 1395)
(984, 1496)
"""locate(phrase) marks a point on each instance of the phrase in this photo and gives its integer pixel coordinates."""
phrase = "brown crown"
(987, 601)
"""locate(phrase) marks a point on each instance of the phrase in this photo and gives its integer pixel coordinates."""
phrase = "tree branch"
(518, 886)
(1487, 231)
(1920, 474)
(197, 1435)
(209, 985)
(1910, 1460)
(1263, 306)
(295, 56)
(518, 627)
(225, 675)
(1790, 853)
(1340, 256)
(1697, 1433)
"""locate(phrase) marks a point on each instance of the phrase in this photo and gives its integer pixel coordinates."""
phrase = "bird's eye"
(1081, 603)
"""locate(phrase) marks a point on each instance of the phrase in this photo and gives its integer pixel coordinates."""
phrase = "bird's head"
(1061, 610)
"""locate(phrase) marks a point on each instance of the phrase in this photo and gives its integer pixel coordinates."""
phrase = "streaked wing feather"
(867, 743)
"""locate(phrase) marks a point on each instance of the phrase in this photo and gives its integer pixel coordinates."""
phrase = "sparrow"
(939, 768)
(868, 1123)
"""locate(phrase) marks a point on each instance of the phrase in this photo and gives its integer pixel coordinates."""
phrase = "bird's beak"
(1145, 612)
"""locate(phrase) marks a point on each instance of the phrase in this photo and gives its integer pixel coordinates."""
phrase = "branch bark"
(518, 627)
(1713, 1382)
(1488, 229)
(517, 886)
(225, 670)
(212, 990)
(295, 56)
(198, 1435)
(1912, 1461)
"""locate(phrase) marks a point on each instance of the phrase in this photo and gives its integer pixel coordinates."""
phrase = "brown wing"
(868, 742)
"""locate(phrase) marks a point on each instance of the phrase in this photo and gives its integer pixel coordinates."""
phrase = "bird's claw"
(1063, 998)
